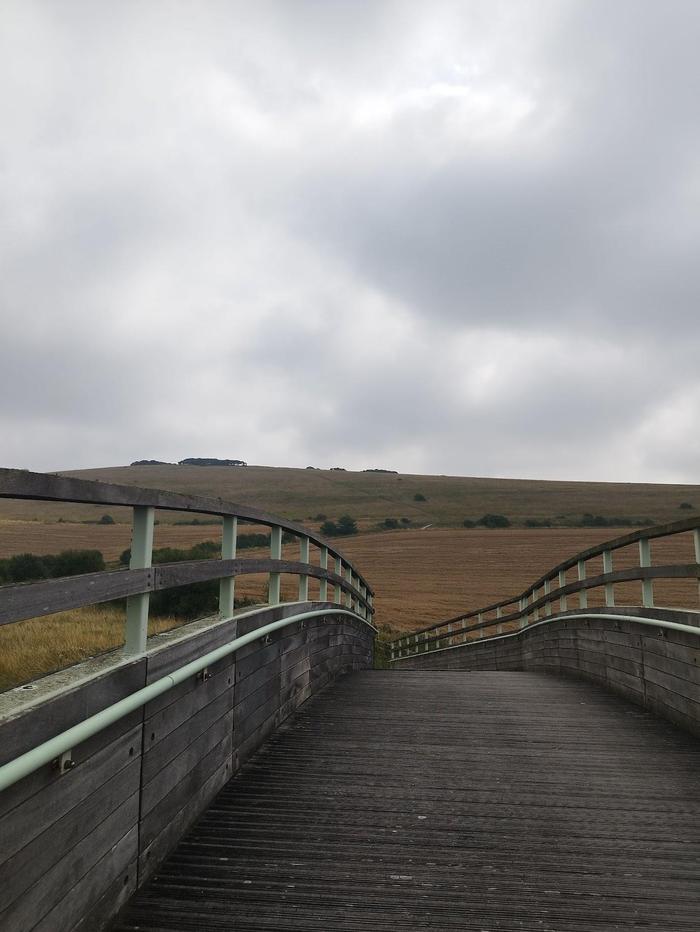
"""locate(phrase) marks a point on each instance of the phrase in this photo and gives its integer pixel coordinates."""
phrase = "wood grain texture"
(658, 672)
(444, 801)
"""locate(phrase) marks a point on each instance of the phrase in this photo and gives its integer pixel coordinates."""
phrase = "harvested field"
(420, 577)
(111, 539)
(424, 576)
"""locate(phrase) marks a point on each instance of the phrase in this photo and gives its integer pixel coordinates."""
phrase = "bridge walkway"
(475, 801)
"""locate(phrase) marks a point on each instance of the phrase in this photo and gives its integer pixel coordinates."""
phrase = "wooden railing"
(550, 594)
(342, 585)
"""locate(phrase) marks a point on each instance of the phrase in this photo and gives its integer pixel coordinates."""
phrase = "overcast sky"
(440, 237)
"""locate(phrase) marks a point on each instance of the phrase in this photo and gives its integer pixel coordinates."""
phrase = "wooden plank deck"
(475, 801)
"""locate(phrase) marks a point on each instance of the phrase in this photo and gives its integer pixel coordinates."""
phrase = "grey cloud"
(348, 211)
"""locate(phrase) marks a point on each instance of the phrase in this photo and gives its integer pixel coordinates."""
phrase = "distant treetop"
(150, 463)
(209, 461)
(392, 472)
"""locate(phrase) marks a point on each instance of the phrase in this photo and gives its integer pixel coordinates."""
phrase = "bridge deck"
(471, 801)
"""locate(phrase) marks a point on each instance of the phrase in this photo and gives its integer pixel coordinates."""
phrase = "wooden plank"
(24, 823)
(49, 888)
(690, 672)
(115, 897)
(37, 857)
(164, 752)
(675, 684)
(217, 737)
(36, 599)
(81, 898)
(157, 847)
(201, 694)
(172, 803)
(186, 572)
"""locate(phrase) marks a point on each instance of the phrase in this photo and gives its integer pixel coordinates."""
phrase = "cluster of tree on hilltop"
(191, 461)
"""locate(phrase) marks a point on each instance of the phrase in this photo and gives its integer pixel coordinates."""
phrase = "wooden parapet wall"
(76, 844)
(657, 667)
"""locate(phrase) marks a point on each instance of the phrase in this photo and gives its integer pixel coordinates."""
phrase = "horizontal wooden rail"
(552, 588)
(45, 597)
(33, 600)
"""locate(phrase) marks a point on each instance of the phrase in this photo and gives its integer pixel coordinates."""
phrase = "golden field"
(420, 575)
(38, 646)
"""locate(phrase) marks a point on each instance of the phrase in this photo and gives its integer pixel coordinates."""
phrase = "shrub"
(25, 566)
(492, 521)
(106, 519)
(537, 522)
(419, 497)
(74, 562)
(320, 517)
(345, 526)
(389, 523)
(469, 523)
(405, 521)
(589, 520)
(685, 505)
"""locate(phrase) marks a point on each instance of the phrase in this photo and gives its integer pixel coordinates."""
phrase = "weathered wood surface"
(74, 845)
(658, 668)
(444, 801)
(36, 599)
(19, 483)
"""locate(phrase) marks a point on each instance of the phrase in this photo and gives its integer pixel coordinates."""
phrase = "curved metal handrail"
(530, 602)
(48, 751)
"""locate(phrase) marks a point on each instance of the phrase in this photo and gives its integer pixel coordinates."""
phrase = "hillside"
(371, 497)
(419, 575)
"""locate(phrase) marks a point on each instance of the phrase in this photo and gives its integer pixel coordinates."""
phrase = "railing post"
(479, 619)
(696, 538)
(274, 588)
(562, 583)
(136, 633)
(304, 580)
(583, 594)
(535, 611)
(348, 595)
(499, 628)
(323, 584)
(337, 591)
(547, 604)
(647, 584)
(228, 552)
(609, 587)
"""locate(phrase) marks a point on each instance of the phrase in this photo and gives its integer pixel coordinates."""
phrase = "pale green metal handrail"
(49, 750)
(608, 616)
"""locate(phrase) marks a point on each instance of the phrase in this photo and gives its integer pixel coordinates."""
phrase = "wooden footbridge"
(527, 766)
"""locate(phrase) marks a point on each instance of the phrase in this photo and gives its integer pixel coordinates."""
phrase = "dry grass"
(32, 648)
